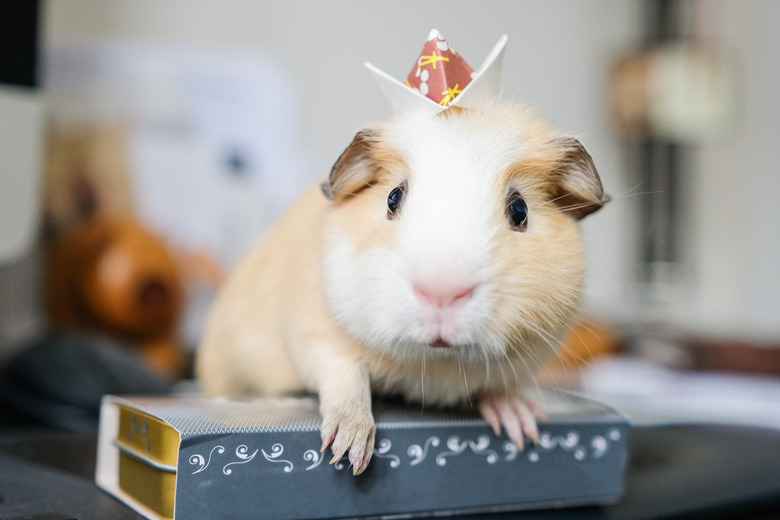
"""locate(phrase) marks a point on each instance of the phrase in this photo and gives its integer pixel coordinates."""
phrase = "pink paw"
(349, 430)
(518, 416)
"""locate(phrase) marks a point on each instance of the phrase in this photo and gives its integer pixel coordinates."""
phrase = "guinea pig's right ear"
(354, 168)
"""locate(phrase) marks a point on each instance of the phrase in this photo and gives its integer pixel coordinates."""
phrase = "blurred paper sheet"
(648, 393)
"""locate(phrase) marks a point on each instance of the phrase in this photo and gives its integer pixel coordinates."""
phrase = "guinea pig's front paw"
(517, 414)
(349, 429)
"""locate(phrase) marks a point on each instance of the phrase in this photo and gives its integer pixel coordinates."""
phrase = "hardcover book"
(192, 458)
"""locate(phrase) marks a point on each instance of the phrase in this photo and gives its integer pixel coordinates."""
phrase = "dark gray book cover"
(261, 458)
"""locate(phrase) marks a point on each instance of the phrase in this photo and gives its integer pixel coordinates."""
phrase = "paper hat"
(441, 78)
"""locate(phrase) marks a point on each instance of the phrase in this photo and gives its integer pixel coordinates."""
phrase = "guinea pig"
(441, 261)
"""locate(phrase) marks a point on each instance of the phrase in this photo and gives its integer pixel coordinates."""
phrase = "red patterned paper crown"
(440, 73)
(441, 78)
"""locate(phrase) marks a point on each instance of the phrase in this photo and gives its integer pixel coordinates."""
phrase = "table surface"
(705, 471)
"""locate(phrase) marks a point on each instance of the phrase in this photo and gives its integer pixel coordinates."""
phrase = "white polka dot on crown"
(423, 79)
(442, 45)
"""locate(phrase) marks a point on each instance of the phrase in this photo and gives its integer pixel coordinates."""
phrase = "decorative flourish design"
(382, 449)
(482, 447)
(202, 462)
(419, 453)
(456, 447)
(599, 446)
(580, 453)
(276, 451)
(572, 442)
(242, 452)
(512, 451)
(314, 457)
(547, 441)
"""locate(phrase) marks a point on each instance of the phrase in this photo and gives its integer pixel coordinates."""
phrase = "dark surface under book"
(674, 471)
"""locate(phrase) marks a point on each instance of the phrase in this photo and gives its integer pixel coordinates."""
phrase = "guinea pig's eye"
(395, 199)
(517, 210)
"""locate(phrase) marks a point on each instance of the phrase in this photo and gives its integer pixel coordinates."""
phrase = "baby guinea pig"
(443, 264)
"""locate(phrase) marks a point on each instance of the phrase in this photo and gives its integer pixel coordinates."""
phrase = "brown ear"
(354, 168)
(578, 186)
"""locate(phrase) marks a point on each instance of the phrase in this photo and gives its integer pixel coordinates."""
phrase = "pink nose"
(443, 296)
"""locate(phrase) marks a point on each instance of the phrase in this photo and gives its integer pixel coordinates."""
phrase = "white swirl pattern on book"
(314, 457)
(418, 453)
(572, 442)
(202, 462)
(456, 447)
(512, 451)
(242, 452)
(382, 449)
(276, 451)
(599, 445)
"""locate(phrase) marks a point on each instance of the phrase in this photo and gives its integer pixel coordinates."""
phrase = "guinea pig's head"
(457, 234)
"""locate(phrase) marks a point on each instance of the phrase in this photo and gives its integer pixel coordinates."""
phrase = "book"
(192, 458)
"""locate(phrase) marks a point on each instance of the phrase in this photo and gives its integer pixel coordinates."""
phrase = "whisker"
(422, 385)
(465, 382)
(550, 341)
(503, 379)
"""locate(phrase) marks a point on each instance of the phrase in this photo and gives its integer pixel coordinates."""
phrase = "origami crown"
(441, 78)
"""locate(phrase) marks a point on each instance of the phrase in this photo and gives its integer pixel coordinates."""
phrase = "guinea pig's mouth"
(439, 343)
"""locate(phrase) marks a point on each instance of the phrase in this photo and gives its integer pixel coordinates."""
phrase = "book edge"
(107, 465)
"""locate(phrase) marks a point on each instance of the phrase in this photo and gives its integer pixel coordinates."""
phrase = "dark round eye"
(394, 200)
(517, 210)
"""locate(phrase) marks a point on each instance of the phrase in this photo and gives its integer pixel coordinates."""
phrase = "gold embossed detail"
(148, 436)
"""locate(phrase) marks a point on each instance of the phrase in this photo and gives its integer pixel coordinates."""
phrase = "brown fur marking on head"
(353, 169)
(579, 190)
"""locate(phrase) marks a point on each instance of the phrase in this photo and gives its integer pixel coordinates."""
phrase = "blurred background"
(157, 140)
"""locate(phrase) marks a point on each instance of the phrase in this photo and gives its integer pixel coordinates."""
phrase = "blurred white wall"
(736, 214)
(557, 60)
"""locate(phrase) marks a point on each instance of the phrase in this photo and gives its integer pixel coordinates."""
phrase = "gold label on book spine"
(147, 436)
(154, 488)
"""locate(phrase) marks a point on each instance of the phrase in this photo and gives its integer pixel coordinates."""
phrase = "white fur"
(446, 232)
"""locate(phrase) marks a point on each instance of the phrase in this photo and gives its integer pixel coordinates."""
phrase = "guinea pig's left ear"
(353, 169)
(577, 183)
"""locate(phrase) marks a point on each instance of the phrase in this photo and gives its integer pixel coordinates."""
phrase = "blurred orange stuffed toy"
(106, 273)
(112, 276)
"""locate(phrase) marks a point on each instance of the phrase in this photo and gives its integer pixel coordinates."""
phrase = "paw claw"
(517, 415)
(353, 432)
